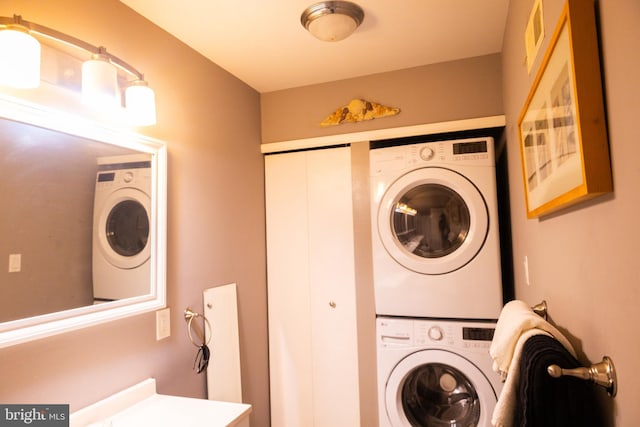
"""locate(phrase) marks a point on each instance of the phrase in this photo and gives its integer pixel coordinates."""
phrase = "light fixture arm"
(49, 33)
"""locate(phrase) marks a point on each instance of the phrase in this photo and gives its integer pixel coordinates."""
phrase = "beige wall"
(211, 122)
(431, 94)
(584, 261)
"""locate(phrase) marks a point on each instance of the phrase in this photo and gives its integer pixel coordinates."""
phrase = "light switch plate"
(15, 263)
(163, 324)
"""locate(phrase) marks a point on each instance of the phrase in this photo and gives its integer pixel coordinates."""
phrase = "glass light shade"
(19, 59)
(141, 103)
(332, 27)
(99, 82)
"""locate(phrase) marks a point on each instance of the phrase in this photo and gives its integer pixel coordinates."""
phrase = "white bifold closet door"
(311, 289)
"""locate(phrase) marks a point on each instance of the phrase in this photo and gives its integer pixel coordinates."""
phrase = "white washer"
(435, 373)
(121, 224)
(435, 238)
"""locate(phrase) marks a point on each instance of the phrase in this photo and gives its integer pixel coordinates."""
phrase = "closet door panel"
(290, 349)
(332, 288)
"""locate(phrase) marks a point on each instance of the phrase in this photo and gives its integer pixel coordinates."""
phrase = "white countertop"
(140, 405)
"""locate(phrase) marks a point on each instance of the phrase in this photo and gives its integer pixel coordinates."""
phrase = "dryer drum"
(127, 228)
(431, 221)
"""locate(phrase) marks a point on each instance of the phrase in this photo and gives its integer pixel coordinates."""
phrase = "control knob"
(427, 153)
(128, 177)
(435, 333)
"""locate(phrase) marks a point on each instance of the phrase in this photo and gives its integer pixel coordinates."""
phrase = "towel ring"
(189, 315)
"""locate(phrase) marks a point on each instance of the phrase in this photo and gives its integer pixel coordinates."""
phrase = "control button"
(427, 153)
(435, 333)
(128, 177)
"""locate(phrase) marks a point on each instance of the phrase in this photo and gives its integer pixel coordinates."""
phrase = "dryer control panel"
(471, 152)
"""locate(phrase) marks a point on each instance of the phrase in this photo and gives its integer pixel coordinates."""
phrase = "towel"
(504, 411)
(516, 324)
(544, 401)
(517, 317)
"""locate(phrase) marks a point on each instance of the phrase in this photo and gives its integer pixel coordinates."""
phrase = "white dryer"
(434, 373)
(121, 223)
(435, 238)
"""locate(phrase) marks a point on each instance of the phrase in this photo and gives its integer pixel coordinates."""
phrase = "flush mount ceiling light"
(102, 85)
(332, 20)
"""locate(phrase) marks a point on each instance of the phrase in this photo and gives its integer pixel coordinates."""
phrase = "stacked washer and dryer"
(438, 281)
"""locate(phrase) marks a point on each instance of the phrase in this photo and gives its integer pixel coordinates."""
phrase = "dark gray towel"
(544, 401)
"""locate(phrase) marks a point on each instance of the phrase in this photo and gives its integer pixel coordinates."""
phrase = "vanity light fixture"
(332, 20)
(19, 57)
(141, 102)
(20, 68)
(100, 81)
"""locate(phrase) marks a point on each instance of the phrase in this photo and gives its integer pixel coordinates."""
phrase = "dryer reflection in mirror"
(121, 225)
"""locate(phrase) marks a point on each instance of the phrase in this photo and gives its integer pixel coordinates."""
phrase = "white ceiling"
(263, 43)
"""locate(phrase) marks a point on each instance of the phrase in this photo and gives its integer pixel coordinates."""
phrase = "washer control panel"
(424, 333)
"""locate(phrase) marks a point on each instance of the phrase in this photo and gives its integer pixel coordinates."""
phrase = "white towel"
(517, 317)
(516, 324)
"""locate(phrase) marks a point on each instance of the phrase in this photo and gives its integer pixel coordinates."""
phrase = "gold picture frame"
(563, 136)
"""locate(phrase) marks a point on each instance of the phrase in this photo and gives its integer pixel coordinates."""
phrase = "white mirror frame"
(28, 329)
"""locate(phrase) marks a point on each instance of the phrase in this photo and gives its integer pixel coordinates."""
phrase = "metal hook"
(540, 309)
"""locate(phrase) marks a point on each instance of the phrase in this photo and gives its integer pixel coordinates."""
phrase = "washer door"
(433, 220)
(437, 388)
(123, 228)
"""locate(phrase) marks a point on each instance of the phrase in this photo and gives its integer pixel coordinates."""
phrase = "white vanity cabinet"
(311, 289)
(140, 406)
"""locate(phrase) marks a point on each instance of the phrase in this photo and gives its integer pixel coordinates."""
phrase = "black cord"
(202, 359)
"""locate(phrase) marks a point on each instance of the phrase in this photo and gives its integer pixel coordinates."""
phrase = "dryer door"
(437, 388)
(433, 220)
(123, 228)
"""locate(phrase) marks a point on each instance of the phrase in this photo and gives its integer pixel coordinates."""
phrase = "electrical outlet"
(163, 323)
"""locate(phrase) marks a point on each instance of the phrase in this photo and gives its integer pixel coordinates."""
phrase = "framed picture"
(562, 129)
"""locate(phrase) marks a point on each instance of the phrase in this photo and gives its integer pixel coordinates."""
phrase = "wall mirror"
(83, 222)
